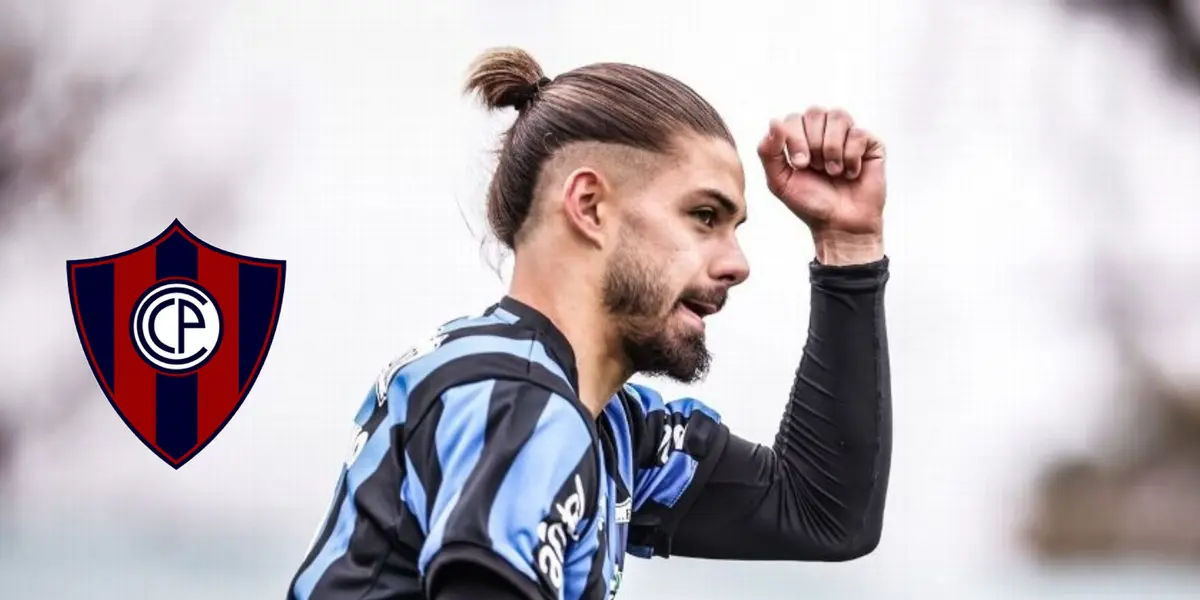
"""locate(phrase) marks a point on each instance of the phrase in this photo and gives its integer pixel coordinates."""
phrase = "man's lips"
(701, 309)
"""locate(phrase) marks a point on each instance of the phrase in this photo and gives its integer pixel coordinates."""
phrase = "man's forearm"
(836, 436)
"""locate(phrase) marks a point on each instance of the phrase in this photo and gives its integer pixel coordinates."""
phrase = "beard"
(638, 299)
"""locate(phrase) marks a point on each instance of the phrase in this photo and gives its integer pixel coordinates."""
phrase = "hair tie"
(526, 96)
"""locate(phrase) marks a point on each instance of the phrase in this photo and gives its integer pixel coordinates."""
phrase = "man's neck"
(598, 359)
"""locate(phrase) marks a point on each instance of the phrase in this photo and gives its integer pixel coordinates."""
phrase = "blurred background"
(1044, 168)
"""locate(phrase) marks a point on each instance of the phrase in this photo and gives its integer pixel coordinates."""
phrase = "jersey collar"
(556, 343)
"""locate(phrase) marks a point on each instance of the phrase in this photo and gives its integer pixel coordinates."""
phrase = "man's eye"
(707, 216)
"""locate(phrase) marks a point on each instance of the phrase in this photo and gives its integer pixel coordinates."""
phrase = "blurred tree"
(1175, 22)
(1138, 495)
(57, 94)
(43, 132)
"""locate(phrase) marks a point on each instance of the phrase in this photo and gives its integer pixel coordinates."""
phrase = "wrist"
(844, 249)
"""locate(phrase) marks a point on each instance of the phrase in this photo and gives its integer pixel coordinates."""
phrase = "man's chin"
(683, 359)
(687, 373)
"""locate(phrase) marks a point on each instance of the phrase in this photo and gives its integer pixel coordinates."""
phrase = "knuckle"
(793, 118)
(814, 112)
(796, 141)
(793, 128)
(840, 115)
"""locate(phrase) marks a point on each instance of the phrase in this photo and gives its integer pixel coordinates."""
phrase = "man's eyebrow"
(726, 202)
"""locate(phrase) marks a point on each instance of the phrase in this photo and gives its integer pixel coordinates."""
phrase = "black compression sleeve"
(819, 493)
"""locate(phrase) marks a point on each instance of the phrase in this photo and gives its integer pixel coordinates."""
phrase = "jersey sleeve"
(678, 443)
(516, 489)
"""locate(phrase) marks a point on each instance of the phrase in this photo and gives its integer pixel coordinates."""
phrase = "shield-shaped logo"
(176, 331)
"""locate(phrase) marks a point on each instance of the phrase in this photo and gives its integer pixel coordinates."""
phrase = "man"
(509, 457)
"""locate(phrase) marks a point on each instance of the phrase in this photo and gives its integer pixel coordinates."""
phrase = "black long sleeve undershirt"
(819, 493)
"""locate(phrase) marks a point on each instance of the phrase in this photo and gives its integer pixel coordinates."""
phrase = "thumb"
(772, 150)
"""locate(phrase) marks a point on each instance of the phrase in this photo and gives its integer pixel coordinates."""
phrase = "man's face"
(677, 258)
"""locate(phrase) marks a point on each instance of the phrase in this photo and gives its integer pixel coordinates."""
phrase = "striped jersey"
(473, 448)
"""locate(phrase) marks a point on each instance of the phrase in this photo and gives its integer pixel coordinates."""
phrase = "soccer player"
(509, 456)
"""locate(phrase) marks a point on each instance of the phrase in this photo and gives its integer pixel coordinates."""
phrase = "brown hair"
(611, 103)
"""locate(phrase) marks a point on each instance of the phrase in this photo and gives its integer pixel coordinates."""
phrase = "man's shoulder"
(468, 349)
(648, 401)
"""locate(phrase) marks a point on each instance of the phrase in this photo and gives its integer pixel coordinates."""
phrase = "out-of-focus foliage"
(1174, 23)
(1140, 496)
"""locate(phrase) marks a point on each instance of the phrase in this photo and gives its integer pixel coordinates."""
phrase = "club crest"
(176, 331)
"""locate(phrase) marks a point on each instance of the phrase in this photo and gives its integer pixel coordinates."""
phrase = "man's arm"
(817, 494)
(512, 506)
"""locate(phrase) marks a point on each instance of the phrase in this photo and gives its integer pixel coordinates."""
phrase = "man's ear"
(586, 201)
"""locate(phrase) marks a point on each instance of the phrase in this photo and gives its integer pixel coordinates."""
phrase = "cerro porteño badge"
(176, 331)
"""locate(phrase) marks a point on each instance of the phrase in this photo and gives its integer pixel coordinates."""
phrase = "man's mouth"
(700, 309)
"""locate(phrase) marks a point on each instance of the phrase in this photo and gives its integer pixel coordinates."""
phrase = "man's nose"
(732, 268)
